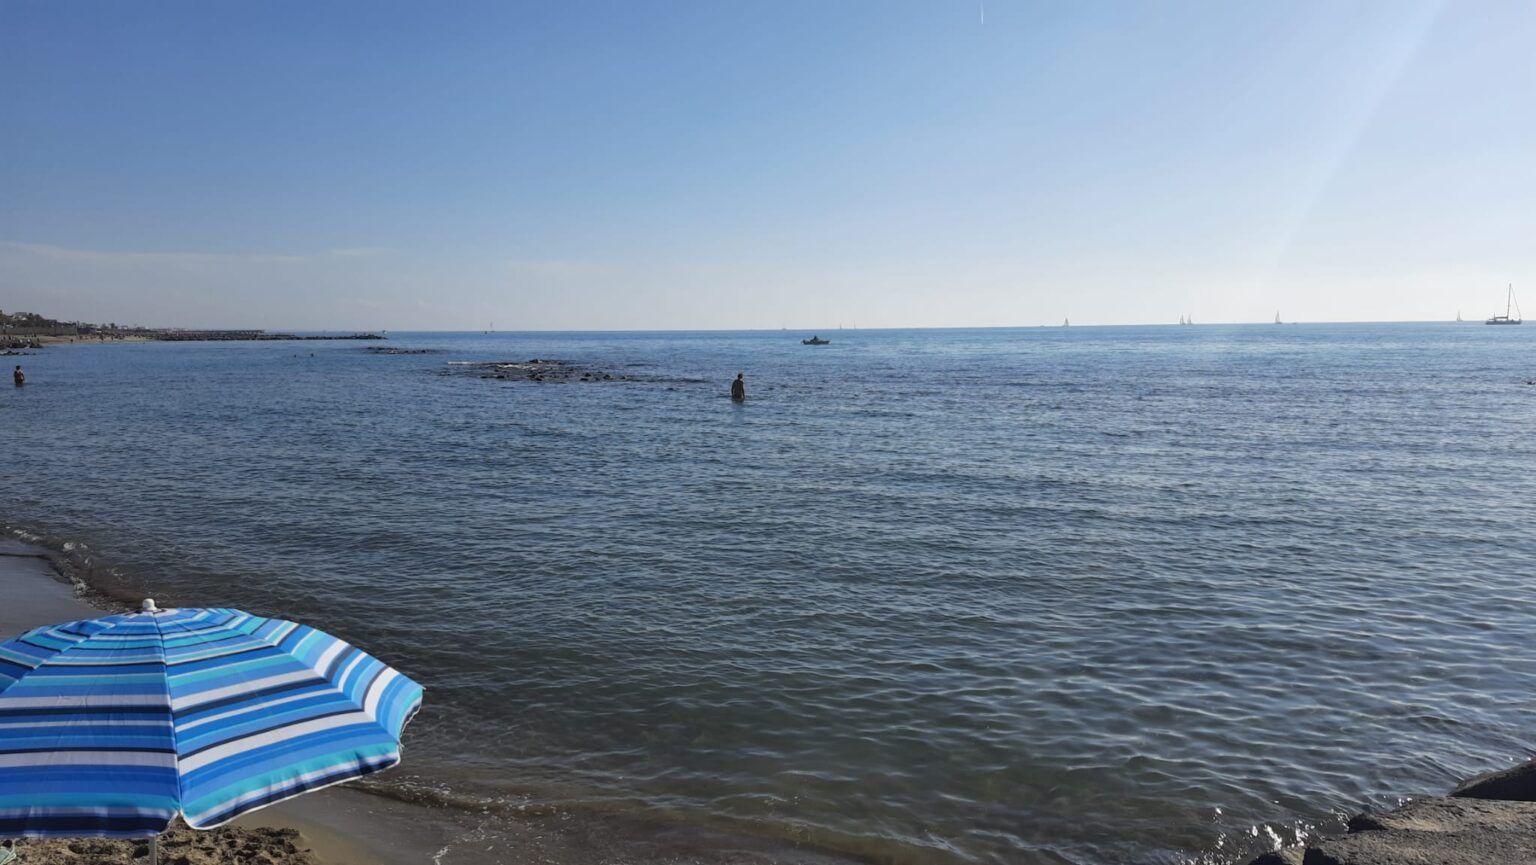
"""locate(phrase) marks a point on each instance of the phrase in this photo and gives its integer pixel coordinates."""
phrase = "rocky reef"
(1488, 820)
(389, 349)
(538, 369)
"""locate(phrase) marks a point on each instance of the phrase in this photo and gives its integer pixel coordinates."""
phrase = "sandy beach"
(348, 826)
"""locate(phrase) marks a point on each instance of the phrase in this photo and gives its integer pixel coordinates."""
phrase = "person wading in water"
(738, 389)
(18, 376)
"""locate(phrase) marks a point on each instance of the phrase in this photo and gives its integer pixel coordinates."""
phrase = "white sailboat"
(1066, 322)
(1458, 316)
(1509, 302)
(1277, 317)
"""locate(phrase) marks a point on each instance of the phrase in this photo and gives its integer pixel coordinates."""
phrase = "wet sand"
(345, 826)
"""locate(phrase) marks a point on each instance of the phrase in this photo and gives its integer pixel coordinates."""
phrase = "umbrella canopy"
(113, 726)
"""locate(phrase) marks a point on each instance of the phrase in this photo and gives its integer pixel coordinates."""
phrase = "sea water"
(1142, 594)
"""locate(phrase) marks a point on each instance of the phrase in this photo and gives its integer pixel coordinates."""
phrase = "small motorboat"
(815, 340)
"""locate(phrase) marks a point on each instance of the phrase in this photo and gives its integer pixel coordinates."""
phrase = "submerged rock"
(549, 370)
(389, 349)
(537, 369)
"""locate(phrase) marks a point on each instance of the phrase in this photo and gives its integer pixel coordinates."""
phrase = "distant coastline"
(22, 330)
(61, 337)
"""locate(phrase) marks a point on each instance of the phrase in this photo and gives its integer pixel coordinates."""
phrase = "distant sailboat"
(1509, 301)
(1181, 320)
(1066, 322)
(1277, 317)
(1458, 316)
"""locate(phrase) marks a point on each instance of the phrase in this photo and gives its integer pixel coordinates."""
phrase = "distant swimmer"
(18, 376)
(738, 388)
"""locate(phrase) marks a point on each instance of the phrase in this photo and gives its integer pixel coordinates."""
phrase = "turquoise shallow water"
(1081, 595)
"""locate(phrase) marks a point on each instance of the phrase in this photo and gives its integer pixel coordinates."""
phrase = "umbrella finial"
(149, 606)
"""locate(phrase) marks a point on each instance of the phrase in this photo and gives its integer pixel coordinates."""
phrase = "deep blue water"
(1086, 595)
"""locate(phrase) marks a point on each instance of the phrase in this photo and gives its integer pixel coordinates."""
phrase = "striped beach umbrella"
(113, 726)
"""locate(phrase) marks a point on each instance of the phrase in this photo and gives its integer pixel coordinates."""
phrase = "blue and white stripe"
(113, 726)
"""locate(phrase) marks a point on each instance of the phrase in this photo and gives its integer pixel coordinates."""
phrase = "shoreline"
(1485, 820)
(354, 824)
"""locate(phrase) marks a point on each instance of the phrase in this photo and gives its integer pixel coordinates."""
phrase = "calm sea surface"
(1088, 595)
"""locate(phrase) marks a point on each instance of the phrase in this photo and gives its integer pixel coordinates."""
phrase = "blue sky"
(734, 164)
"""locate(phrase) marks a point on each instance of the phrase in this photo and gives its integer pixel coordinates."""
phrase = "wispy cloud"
(558, 267)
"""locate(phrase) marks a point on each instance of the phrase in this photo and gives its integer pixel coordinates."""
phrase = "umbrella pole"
(154, 850)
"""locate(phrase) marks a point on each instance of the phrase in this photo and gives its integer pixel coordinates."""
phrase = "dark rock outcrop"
(1431, 831)
(1439, 830)
(385, 349)
(1517, 784)
(537, 369)
(1283, 856)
